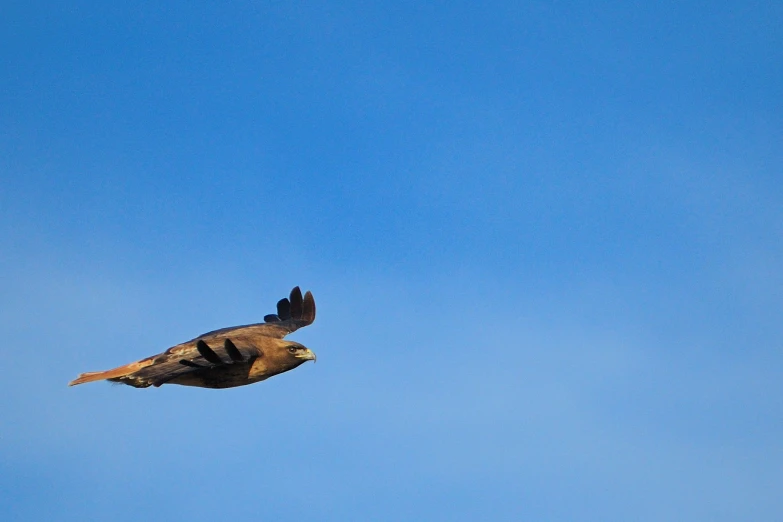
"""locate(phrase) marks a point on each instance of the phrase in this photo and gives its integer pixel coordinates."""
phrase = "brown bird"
(227, 357)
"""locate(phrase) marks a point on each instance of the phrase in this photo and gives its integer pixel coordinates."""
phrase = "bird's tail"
(120, 371)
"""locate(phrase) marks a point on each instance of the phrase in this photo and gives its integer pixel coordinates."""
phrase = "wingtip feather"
(296, 303)
(308, 308)
(284, 309)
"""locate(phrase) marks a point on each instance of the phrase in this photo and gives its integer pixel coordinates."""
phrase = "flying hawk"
(227, 357)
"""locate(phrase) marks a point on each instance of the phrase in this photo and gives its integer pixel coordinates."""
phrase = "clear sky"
(544, 239)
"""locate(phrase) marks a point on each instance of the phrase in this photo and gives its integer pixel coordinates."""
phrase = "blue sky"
(544, 239)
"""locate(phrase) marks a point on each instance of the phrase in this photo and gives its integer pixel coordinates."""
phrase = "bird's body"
(227, 357)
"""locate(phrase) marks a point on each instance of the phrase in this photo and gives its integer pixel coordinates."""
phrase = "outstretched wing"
(189, 357)
(293, 313)
(236, 346)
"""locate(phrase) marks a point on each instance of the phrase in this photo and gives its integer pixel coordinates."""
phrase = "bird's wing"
(188, 357)
(293, 313)
(224, 347)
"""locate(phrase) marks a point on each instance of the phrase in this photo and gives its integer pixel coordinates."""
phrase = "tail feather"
(120, 371)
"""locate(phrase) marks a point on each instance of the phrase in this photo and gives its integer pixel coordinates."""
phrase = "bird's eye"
(292, 349)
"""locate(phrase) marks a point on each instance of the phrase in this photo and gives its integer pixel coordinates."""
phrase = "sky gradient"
(544, 239)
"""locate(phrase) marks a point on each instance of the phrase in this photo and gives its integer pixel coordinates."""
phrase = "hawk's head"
(285, 355)
(298, 352)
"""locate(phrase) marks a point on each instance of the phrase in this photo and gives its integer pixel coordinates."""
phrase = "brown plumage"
(227, 357)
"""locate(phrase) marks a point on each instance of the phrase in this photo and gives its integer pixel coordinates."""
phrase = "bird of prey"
(227, 357)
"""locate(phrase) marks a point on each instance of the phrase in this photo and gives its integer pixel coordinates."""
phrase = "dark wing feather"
(233, 351)
(296, 303)
(284, 309)
(207, 352)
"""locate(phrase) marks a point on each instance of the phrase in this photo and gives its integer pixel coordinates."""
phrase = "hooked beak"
(307, 356)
